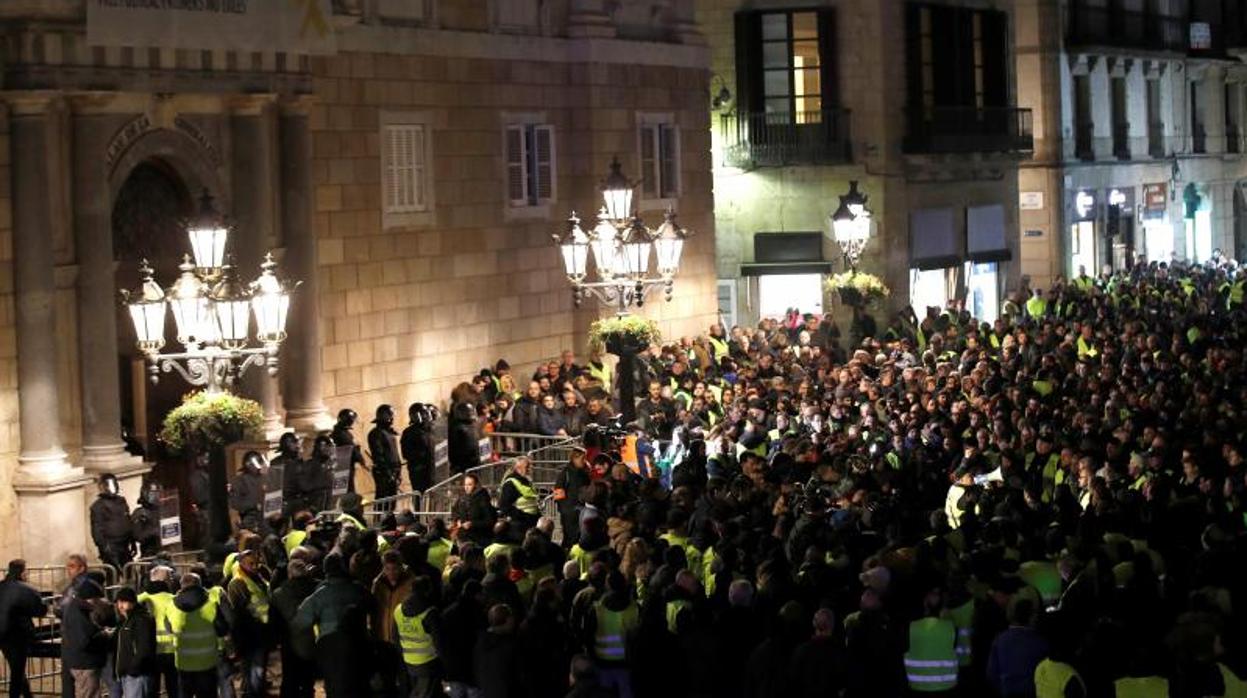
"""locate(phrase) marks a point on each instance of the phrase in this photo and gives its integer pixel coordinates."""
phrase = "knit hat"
(127, 594)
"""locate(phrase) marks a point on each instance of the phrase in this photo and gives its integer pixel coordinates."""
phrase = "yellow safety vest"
(1141, 687)
(1044, 577)
(691, 554)
(415, 641)
(1051, 678)
(229, 566)
(160, 604)
(1086, 348)
(583, 557)
(1036, 307)
(931, 662)
(527, 502)
(1234, 686)
(195, 638)
(674, 608)
(293, 540)
(257, 604)
(611, 636)
(963, 617)
(601, 374)
(494, 549)
(439, 551)
(719, 347)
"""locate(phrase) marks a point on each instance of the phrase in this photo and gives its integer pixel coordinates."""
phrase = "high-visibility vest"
(602, 374)
(611, 636)
(439, 551)
(257, 604)
(493, 549)
(963, 617)
(415, 641)
(583, 557)
(719, 347)
(229, 566)
(691, 554)
(194, 637)
(293, 540)
(345, 518)
(1036, 307)
(1236, 295)
(1044, 576)
(527, 502)
(1051, 678)
(707, 571)
(160, 604)
(931, 662)
(673, 610)
(1234, 686)
(1141, 687)
(1086, 348)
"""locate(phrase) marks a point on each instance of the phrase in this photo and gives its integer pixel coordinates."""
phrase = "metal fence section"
(380, 508)
(137, 571)
(52, 579)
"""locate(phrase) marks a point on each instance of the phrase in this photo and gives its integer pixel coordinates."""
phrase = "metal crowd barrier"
(53, 579)
(380, 508)
(182, 562)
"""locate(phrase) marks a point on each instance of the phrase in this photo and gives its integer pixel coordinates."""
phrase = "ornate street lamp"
(212, 310)
(622, 248)
(850, 225)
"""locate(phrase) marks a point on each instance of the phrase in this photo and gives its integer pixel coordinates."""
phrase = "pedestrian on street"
(20, 604)
(134, 657)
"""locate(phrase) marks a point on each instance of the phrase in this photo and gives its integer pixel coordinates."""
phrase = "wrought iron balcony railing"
(776, 139)
(969, 130)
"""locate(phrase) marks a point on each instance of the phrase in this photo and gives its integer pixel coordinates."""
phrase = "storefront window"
(983, 291)
(1082, 248)
(928, 288)
(1158, 240)
(779, 292)
(1199, 237)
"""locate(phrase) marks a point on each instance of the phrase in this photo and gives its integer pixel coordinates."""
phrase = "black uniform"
(479, 510)
(343, 436)
(145, 523)
(110, 529)
(246, 496)
(201, 498)
(316, 481)
(463, 451)
(570, 481)
(383, 447)
(294, 494)
(417, 449)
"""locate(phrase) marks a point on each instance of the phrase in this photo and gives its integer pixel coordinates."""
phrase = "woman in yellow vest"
(196, 624)
(931, 660)
(415, 625)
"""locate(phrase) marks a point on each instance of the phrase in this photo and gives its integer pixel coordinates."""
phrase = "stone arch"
(191, 162)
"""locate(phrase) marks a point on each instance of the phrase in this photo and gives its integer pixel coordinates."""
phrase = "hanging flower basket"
(857, 289)
(204, 422)
(628, 334)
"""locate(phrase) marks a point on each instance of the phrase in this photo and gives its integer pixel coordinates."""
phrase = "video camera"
(605, 437)
(324, 531)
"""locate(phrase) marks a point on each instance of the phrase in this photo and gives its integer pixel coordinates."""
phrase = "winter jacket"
(20, 603)
(285, 607)
(496, 661)
(461, 437)
(550, 422)
(570, 480)
(478, 509)
(145, 524)
(461, 622)
(388, 598)
(83, 645)
(135, 644)
(383, 447)
(574, 420)
(334, 606)
(110, 521)
(416, 446)
(525, 416)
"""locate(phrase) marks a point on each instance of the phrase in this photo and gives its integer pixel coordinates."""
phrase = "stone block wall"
(9, 431)
(409, 312)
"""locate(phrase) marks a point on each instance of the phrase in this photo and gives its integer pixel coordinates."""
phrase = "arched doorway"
(148, 221)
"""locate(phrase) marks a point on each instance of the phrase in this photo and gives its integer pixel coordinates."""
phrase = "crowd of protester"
(1051, 505)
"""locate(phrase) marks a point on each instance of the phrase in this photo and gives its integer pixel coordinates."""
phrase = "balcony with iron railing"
(969, 130)
(1102, 26)
(776, 139)
(1156, 139)
(1121, 140)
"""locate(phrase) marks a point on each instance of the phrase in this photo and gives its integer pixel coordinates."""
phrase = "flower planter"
(621, 344)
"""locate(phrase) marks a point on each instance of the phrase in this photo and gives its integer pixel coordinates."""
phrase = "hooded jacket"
(192, 599)
(110, 521)
(83, 645)
(135, 643)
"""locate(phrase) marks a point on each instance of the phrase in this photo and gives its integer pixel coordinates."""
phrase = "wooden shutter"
(748, 62)
(995, 58)
(669, 161)
(517, 165)
(829, 73)
(650, 172)
(404, 168)
(543, 161)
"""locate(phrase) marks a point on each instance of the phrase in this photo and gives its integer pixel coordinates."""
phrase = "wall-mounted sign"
(1201, 36)
(294, 26)
(1155, 199)
(1084, 204)
(1123, 199)
(1032, 234)
(1030, 201)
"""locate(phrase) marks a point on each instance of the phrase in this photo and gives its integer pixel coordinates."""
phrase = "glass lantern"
(147, 311)
(574, 246)
(189, 302)
(617, 193)
(231, 304)
(669, 244)
(270, 300)
(208, 234)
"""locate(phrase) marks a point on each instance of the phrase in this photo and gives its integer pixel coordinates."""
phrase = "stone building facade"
(411, 179)
(1138, 132)
(937, 158)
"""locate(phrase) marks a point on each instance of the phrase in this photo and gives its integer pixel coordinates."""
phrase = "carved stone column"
(301, 359)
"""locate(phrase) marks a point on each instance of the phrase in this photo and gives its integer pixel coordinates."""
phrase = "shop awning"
(787, 253)
(933, 240)
(985, 234)
(764, 269)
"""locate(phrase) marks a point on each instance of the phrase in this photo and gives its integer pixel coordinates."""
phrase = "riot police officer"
(294, 498)
(316, 475)
(110, 523)
(145, 521)
(417, 445)
(383, 447)
(246, 493)
(343, 436)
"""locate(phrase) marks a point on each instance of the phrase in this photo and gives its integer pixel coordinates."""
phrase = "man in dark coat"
(145, 521)
(298, 671)
(573, 478)
(294, 497)
(496, 658)
(20, 604)
(110, 524)
(343, 436)
(246, 493)
(383, 448)
(84, 646)
(473, 513)
(817, 666)
(461, 437)
(417, 445)
(461, 622)
(525, 417)
(134, 645)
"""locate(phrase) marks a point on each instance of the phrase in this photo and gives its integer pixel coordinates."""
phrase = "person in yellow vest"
(1086, 343)
(196, 623)
(298, 531)
(416, 627)
(158, 597)
(1141, 687)
(1036, 306)
(931, 659)
(517, 498)
(599, 371)
(608, 631)
(440, 544)
(718, 342)
(1058, 679)
(960, 610)
(248, 595)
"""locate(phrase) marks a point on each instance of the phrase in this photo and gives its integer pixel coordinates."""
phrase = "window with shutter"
(530, 154)
(543, 162)
(658, 140)
(405, 168)
(517, 166)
